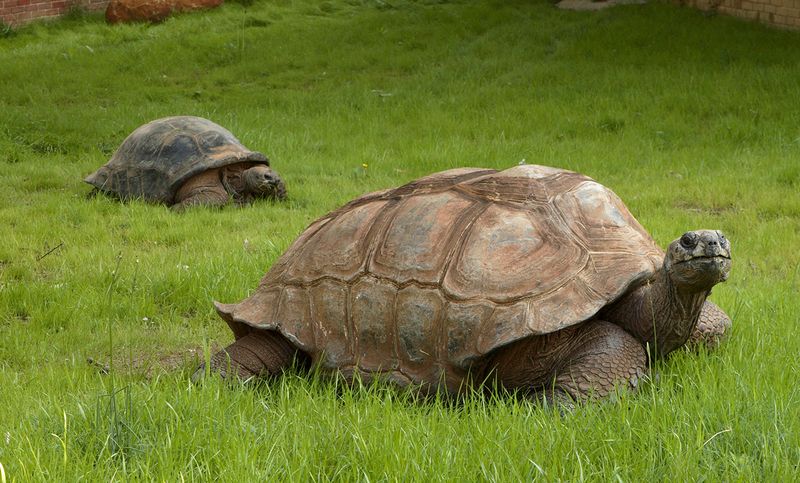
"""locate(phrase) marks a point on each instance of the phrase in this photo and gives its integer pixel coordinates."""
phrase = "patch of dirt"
(151, 365)
(711, 210)
(589, 5)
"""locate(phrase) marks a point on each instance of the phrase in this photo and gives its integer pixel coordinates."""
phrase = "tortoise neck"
(659, 313)
(233, 181)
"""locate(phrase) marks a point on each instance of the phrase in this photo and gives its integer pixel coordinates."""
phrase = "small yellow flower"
(364, 165)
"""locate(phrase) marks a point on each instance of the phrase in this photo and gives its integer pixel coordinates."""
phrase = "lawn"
(105, 308)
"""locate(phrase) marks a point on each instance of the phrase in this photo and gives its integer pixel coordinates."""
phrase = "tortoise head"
(262, 182)
(698, 260)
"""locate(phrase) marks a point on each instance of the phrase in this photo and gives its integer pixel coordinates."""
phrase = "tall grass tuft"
(114, 410)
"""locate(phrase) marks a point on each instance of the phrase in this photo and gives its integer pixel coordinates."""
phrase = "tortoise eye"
(688, 240)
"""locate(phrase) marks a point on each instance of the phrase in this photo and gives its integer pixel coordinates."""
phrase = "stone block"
(153, 10)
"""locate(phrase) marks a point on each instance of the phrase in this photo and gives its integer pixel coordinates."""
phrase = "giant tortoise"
(183, 161)
(534, 278)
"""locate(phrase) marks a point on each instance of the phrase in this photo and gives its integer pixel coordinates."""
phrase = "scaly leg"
(260, 353)
(204, 189)
(711, 327)
(202, 197)
(577, 363)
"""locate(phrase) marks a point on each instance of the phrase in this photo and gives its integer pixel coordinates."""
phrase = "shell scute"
(331, 325)
(507, 323)
(502, 255)
(415, 245)
(598, 218)
(419, 312)
(372, 306)
(338, 248)
(463, 321)
(293, 316)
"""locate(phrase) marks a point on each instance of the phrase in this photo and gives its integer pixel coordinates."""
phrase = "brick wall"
(16, 12)
(780, 13)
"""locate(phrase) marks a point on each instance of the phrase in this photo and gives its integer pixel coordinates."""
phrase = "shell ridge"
(286, 262)
(399, 286)
(458, 238)
(377, 232)
(352, 340)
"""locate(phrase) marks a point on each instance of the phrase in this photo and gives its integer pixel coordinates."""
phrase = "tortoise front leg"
(205, 189)
(203, 197)
(261, 353)
(578, 363)
(711, 327)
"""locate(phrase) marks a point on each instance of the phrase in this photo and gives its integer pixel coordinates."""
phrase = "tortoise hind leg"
(575, 364)
(261, 353)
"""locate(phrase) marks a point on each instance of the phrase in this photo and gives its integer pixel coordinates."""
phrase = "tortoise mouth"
(705, 258)
(267, 185)
(268, 188)
(702, 272)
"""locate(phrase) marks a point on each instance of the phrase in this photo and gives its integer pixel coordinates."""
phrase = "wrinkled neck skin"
(232, 180)
(659, 313)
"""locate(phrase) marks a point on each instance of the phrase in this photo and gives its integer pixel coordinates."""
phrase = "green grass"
(692, 120)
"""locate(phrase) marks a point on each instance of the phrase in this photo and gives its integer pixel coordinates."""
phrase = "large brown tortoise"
(183, 161)
(534, 278)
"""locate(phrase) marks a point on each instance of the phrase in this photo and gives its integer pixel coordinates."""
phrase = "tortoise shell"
(157, 158)
(419, 282)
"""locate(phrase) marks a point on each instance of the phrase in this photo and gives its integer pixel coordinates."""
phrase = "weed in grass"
(5, 30)
(114, 416)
